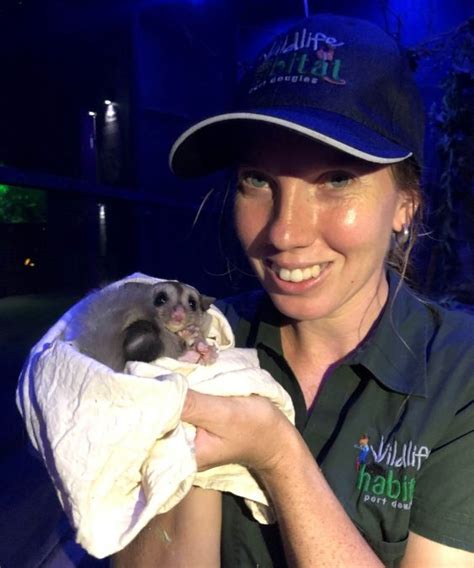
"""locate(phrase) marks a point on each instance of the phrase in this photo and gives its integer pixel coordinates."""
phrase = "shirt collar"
(394, 351)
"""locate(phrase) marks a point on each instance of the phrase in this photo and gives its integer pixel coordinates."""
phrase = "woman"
(327, 140)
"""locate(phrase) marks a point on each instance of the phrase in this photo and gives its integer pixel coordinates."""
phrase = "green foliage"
(22, 205)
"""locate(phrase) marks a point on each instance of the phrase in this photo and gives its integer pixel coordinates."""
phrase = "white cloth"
(114, 444)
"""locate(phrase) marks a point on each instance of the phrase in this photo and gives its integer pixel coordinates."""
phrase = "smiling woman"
(327, 137)
(316, 225)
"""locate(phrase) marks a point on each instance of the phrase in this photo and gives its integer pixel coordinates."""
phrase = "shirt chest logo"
(386, 472)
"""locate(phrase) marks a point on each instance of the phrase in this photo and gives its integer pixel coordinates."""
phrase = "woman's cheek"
(249, 221)
(239, 219)
(350, 218)
(345, 224)
(352, 228)
(364, 231)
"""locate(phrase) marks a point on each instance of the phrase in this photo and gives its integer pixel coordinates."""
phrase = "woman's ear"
(406, 210)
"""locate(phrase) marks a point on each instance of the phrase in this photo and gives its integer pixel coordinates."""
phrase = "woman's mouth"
(297, 274)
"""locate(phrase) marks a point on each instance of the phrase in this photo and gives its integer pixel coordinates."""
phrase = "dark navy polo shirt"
(392, 429)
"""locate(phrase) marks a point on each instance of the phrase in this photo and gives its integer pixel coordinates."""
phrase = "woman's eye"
(254, 180)
(339, 180)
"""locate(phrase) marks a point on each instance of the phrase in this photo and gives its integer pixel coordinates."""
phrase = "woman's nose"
(294, 219)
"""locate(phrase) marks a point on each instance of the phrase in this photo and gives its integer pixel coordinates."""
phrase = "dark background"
(163, 65)
(86, 199)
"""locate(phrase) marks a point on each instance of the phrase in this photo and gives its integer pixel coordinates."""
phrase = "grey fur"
(139, 321)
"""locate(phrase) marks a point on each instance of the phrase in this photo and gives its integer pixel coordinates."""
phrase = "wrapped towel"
(114, 444)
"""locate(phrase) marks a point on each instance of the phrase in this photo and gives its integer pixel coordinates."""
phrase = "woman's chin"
(298, 308)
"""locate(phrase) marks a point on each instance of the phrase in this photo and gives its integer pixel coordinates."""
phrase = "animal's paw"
(200, 353)
(208, 353)
(190, 356)
(190, 334)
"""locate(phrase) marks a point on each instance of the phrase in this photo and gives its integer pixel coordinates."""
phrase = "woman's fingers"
(250, 430)
(204, 409)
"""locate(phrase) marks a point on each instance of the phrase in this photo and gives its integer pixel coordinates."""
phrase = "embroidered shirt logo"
(394, 454)
(302, 57)
(378, 479)
(364, 450)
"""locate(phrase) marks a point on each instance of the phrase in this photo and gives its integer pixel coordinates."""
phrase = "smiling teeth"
(298, 274)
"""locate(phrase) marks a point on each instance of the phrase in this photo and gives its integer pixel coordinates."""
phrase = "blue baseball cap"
(341, 81)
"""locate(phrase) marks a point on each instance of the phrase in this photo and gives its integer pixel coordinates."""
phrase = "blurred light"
(306, 10)
(110, 113)
(92, 113)
(28, 262)
(102, 230)
(107, 102)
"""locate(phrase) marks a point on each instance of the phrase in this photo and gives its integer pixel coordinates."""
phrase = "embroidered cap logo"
(302, 56)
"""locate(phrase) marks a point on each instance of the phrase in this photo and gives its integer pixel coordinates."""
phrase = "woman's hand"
(250, 431)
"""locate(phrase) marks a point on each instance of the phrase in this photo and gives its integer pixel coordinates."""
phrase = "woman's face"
(316, 224)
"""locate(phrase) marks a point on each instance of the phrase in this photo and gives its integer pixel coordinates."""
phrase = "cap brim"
(212, 144)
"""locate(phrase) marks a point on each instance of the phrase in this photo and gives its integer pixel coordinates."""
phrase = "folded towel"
(114, 444)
